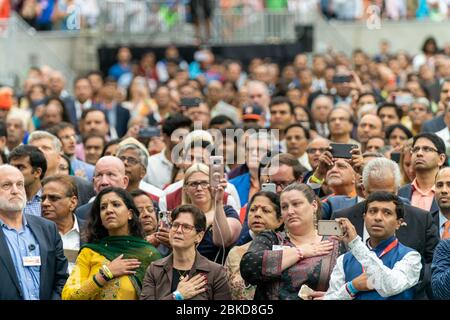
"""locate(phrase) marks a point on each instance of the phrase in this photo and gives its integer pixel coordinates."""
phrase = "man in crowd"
(390, 114)
(93, 147)
(15, 129)
(66, 133)
(297, 138)
(33, 165)
(340, 124)
(442, 194)
(281, 115)
(320, 110)
(160, 165)
(390, 273)
(109, 172)
(428, 155)
(369, 126)
(418, 230)
(25, 276)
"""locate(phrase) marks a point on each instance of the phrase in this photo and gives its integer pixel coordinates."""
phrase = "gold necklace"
(182, 274)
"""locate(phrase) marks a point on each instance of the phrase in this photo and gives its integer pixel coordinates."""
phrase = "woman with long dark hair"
(112, 263)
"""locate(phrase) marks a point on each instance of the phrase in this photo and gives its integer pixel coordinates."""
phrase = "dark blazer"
(406, 192)
(122, 116)
(53, 274)
(85, 190)
(434, 125)
(158, 280)
(420, 234)
(84, 211)
(435, 216)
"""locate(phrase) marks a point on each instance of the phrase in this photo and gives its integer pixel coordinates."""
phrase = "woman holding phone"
(222, 221)
(264, 214)
(112, 264)
(280, 263)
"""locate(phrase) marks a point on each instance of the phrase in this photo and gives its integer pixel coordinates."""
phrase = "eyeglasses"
(130, 160)
(185, 228)
(425, 149)
(195, 184)
(314, 150)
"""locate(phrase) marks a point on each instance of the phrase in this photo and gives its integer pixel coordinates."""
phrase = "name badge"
(277, 247)
(31, 261)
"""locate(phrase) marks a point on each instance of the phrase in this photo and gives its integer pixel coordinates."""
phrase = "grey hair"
(142, 155)
(39, 135)
(260, 84)
(378, 168)
(322, 96)
(367, 109)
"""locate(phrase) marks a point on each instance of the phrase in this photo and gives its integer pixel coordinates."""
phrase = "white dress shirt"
(444, 134)
(71, 240)
(159, 170)
(387, 282)
(304, 161)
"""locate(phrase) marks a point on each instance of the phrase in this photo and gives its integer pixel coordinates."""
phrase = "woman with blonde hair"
(222, 221)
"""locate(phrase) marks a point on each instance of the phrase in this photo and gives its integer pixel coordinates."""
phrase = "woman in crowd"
(222, 221)
(264, 214)
(111, 266)
(397, 135)
(406, 164)
(186, 274)
(64, 166)
(279, 263)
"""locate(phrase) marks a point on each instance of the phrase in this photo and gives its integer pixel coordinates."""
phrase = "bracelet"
(104, 276)
(316, 180)
(177, 295)
(107, 272)
(96, 282)
(351, 288)
(299, 253)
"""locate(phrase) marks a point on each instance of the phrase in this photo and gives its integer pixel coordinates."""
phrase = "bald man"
(442, 195)
(109, 172)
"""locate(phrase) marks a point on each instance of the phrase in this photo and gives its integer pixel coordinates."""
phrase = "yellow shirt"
(81, 286)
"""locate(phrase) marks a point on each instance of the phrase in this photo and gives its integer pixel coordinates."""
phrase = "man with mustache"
(381, 268)
(428, 155)
(31, 251)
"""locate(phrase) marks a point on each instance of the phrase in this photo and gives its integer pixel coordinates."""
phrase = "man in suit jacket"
(441, 217)
(418, 231)
(109, 172)
(38, 256)
(428, 155)
(434, 125)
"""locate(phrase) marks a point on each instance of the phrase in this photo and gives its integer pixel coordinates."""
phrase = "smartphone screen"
(342, 150)
(216, 171)
(269, 187)
(342, 78)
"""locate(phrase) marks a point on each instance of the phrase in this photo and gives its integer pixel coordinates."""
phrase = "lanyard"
(391, 246)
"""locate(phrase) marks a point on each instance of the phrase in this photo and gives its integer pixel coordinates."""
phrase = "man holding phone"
(382, 268)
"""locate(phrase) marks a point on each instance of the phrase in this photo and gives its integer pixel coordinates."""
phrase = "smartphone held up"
(216, 171)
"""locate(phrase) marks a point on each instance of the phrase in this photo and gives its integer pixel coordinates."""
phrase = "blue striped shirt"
(20, 242)
(33, 206)
(440, 270)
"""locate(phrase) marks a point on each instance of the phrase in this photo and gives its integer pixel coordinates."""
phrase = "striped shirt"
(440, 270)
(33, 206)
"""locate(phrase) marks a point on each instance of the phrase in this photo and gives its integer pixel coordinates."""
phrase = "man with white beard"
(31, 249)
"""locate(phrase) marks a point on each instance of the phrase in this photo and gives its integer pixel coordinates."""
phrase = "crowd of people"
(114, 192)
(140, 15)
